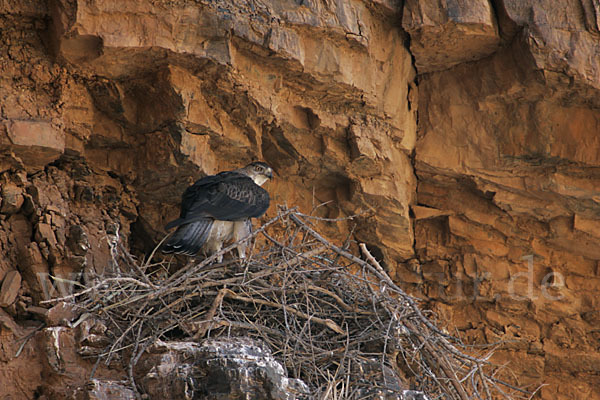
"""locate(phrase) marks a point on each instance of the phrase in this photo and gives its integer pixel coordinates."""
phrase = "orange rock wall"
(507, 158)
(464, 132)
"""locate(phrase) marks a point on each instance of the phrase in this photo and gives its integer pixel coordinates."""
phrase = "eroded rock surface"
(507, 170)
(236, 368)
(444, 34)
(238, 82)
(110, 109)
(107, 390)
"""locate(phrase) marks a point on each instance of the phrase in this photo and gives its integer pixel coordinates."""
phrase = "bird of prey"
(218, 208)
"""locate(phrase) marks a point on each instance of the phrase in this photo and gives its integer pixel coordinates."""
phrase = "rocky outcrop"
(233, 368)
(212, 369)
(255, 81)
(507, 165)
(448, 33)
(487, 205)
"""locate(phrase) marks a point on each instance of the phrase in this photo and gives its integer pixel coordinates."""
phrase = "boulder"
(217, 369)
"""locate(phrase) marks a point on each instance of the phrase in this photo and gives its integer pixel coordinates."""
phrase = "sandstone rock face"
(508, 155)
(66, 374)
(237, 83)
(446, 33)
(487, 205)
(10, 288)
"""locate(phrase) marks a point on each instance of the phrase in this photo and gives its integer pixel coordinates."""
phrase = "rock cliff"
(464, 132)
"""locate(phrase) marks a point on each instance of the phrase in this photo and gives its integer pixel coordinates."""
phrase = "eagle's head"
(258, 171)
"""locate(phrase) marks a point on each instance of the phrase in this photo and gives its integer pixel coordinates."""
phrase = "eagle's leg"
(242, 230)
(220, 256)
(214, 247)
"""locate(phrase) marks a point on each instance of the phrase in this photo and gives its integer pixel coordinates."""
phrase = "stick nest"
(332, 319)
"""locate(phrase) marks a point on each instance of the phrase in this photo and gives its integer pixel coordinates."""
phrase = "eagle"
(218, 208)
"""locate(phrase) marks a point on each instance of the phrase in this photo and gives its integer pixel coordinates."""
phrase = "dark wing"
(189, 238)
(228, 196)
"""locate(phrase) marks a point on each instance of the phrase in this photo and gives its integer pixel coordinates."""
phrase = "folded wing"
(228, 196)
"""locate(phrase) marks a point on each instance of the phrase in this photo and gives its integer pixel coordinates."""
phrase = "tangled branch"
(335, 320)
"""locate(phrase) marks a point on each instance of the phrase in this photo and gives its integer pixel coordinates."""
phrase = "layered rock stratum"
(466, 135)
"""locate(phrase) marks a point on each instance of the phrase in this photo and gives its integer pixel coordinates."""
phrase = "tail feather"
(189, 238)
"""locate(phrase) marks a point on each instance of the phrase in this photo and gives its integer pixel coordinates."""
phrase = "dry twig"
(333, 319)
